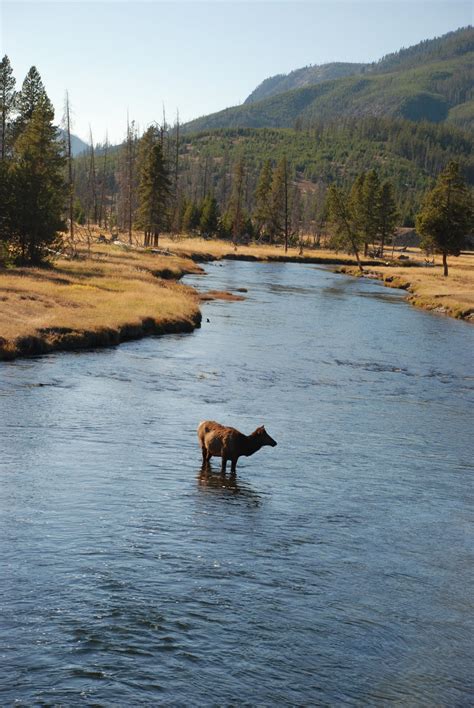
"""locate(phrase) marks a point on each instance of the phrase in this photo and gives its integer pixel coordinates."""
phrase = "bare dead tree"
(176, 157)
(129, 162)
(67, 120)
(102, 210)
(92, 181)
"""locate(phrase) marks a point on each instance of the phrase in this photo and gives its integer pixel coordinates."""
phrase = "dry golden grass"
(210, 249)
(429, 288)
(112, 295)
(215, 248)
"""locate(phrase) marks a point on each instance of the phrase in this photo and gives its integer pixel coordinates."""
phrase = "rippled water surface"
(336, 569)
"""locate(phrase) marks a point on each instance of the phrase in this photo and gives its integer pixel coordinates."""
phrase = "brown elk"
(218, 440)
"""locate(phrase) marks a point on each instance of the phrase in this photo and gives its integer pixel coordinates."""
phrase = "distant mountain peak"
(306, 76)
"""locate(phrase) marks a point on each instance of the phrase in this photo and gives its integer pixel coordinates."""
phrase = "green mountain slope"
(307, 76)
(433, 82)
(448, 46)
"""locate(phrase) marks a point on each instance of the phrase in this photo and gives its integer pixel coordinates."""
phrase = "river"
(337, 567)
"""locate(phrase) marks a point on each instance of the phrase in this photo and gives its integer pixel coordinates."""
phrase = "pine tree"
(345, 233)
(38, 188)
(7, 102)
(357, 206)
(153, 192)
(31, 95)
(5, 209)
(191, 217)
(446, 217)
(371, 208)
(209, 220)
(387, 215)
(279, 202)
(263, 205)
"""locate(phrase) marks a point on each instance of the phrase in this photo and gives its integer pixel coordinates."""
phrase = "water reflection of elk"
(209, 481)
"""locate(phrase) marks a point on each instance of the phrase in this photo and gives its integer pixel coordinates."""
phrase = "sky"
(118, 56)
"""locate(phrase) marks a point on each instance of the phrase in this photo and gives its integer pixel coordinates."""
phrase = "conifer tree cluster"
(32, 186)
(446, 216)
(364, 216)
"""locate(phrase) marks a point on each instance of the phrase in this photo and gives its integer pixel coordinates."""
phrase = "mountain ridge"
(429, 81)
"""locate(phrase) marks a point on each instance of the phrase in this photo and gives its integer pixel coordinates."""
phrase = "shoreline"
(401, 281)
(70, 340)
(95, 302)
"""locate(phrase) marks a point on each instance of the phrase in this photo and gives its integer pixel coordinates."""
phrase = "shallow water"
(336, 569)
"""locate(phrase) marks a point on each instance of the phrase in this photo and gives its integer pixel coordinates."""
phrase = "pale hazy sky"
(200, 57)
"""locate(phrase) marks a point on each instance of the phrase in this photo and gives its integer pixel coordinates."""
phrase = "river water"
(336, 569)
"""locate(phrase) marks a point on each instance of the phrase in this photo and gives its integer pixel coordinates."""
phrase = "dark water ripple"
(337, 567)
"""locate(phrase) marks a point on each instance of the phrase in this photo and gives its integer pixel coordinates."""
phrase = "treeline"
(211, 173)
(366, 214)
(450, 45)
(33, 188)
(149, 184)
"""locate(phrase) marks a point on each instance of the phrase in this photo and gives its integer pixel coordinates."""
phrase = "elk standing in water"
(218, 440)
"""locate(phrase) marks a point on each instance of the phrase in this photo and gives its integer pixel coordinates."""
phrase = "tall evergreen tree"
(280, 201)
(263, 203)
(32, 94)
(344, 228)
(209, 222)
(191, 217)
(39, 188)
(446, 217)
(387, 215)
(5, 209)
(7, 102)
(356, 205)
(370, 208)
(153, 192)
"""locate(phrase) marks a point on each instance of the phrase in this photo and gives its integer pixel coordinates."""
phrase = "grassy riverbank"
(103, 297)
(427, 286)
(213, 249)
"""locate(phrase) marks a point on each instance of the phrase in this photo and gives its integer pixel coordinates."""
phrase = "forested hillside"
(307, 76)
(432, 81)
(448, 46)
